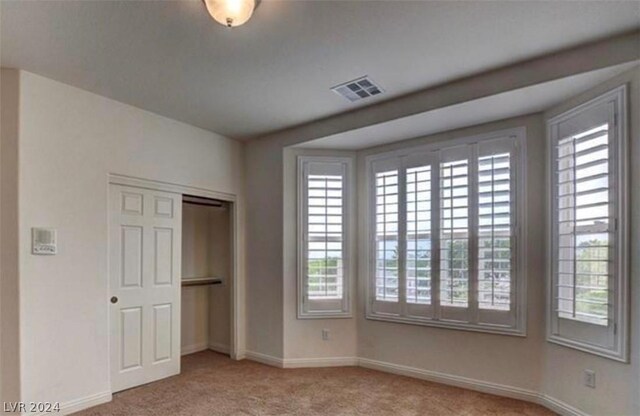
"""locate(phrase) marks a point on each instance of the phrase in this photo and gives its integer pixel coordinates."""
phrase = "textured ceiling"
(170, 58)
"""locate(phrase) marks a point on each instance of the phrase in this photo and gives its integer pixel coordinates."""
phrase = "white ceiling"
(514, 103)
(274, 72)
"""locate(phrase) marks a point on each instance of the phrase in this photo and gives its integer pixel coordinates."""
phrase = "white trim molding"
(85, 402)
(488, 387)
(508, 143)
(559, 406)
(264, 359)
(335, 167)
(321, 362)
(169, 187)
(610, 340)
(301, 362)
(451, 380)
(77, 405)
(497, 389)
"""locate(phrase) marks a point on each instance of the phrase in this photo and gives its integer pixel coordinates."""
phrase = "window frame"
(426, 152)
(318, 309)
(618, 328)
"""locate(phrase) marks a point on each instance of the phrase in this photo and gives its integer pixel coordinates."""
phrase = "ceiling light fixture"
(230, 13)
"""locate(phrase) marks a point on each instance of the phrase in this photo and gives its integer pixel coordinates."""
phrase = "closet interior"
(206, 274)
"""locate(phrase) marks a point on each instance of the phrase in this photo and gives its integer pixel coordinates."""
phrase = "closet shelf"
(201, 281)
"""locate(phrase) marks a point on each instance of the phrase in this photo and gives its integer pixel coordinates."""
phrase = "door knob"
(114, 299)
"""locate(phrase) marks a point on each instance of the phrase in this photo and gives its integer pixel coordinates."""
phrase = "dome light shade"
(230, 13)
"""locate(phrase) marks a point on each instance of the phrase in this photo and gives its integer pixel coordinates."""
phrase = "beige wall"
(69, 140)
(303, 337)
(9, 313)
(480, 356)
(618, 384)
(272, 326)
(264, 245)
(194, 319)
(197, 256)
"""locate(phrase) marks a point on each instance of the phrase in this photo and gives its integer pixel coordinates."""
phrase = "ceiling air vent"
(358, 89)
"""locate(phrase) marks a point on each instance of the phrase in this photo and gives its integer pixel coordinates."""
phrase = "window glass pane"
(494, 232)
(454, 233)
(418, 235)
(325, 269)
(386, 236)
(583, 262)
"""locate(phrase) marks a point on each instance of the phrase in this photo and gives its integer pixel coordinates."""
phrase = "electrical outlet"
(590, 378)
(325, 335)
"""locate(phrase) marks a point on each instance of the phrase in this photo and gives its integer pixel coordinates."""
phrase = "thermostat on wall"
(43, 241)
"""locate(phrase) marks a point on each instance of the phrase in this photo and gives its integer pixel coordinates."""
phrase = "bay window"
(445, 244)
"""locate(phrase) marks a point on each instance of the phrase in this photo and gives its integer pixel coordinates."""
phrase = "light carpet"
(212, 384)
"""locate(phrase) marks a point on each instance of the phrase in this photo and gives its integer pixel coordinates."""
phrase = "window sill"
(324, 315)
(616, 355)
(489, 329)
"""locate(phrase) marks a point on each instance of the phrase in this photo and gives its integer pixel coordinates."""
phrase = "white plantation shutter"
(498, 227)
(418, 232)
(585, 223)
(323, 207)
(418, 214)
(455, 233)
(588, 273)
(444, 231)
(494, 232)
(386, 236)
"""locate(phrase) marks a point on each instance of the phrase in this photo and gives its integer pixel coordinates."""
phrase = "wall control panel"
(44, 241)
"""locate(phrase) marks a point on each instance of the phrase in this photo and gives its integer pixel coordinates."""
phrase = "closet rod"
(208, 204)
(195, 200)
(201, 282)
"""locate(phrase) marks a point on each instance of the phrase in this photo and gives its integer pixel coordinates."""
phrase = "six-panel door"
(144, 273)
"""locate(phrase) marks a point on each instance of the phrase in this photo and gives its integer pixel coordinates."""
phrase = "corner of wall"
(263, 240)
(9, 285)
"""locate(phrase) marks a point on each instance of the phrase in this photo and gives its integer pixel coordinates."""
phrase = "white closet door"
(144, 272)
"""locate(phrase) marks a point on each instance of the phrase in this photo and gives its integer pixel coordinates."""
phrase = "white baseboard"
(320, 362)
(559, 406)
(221, 348)
(451, 380)
(74, 406)
(301, 362)
(497, 389)
(190, 349)
(547, 401)
(264, 359)
(84, 403)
